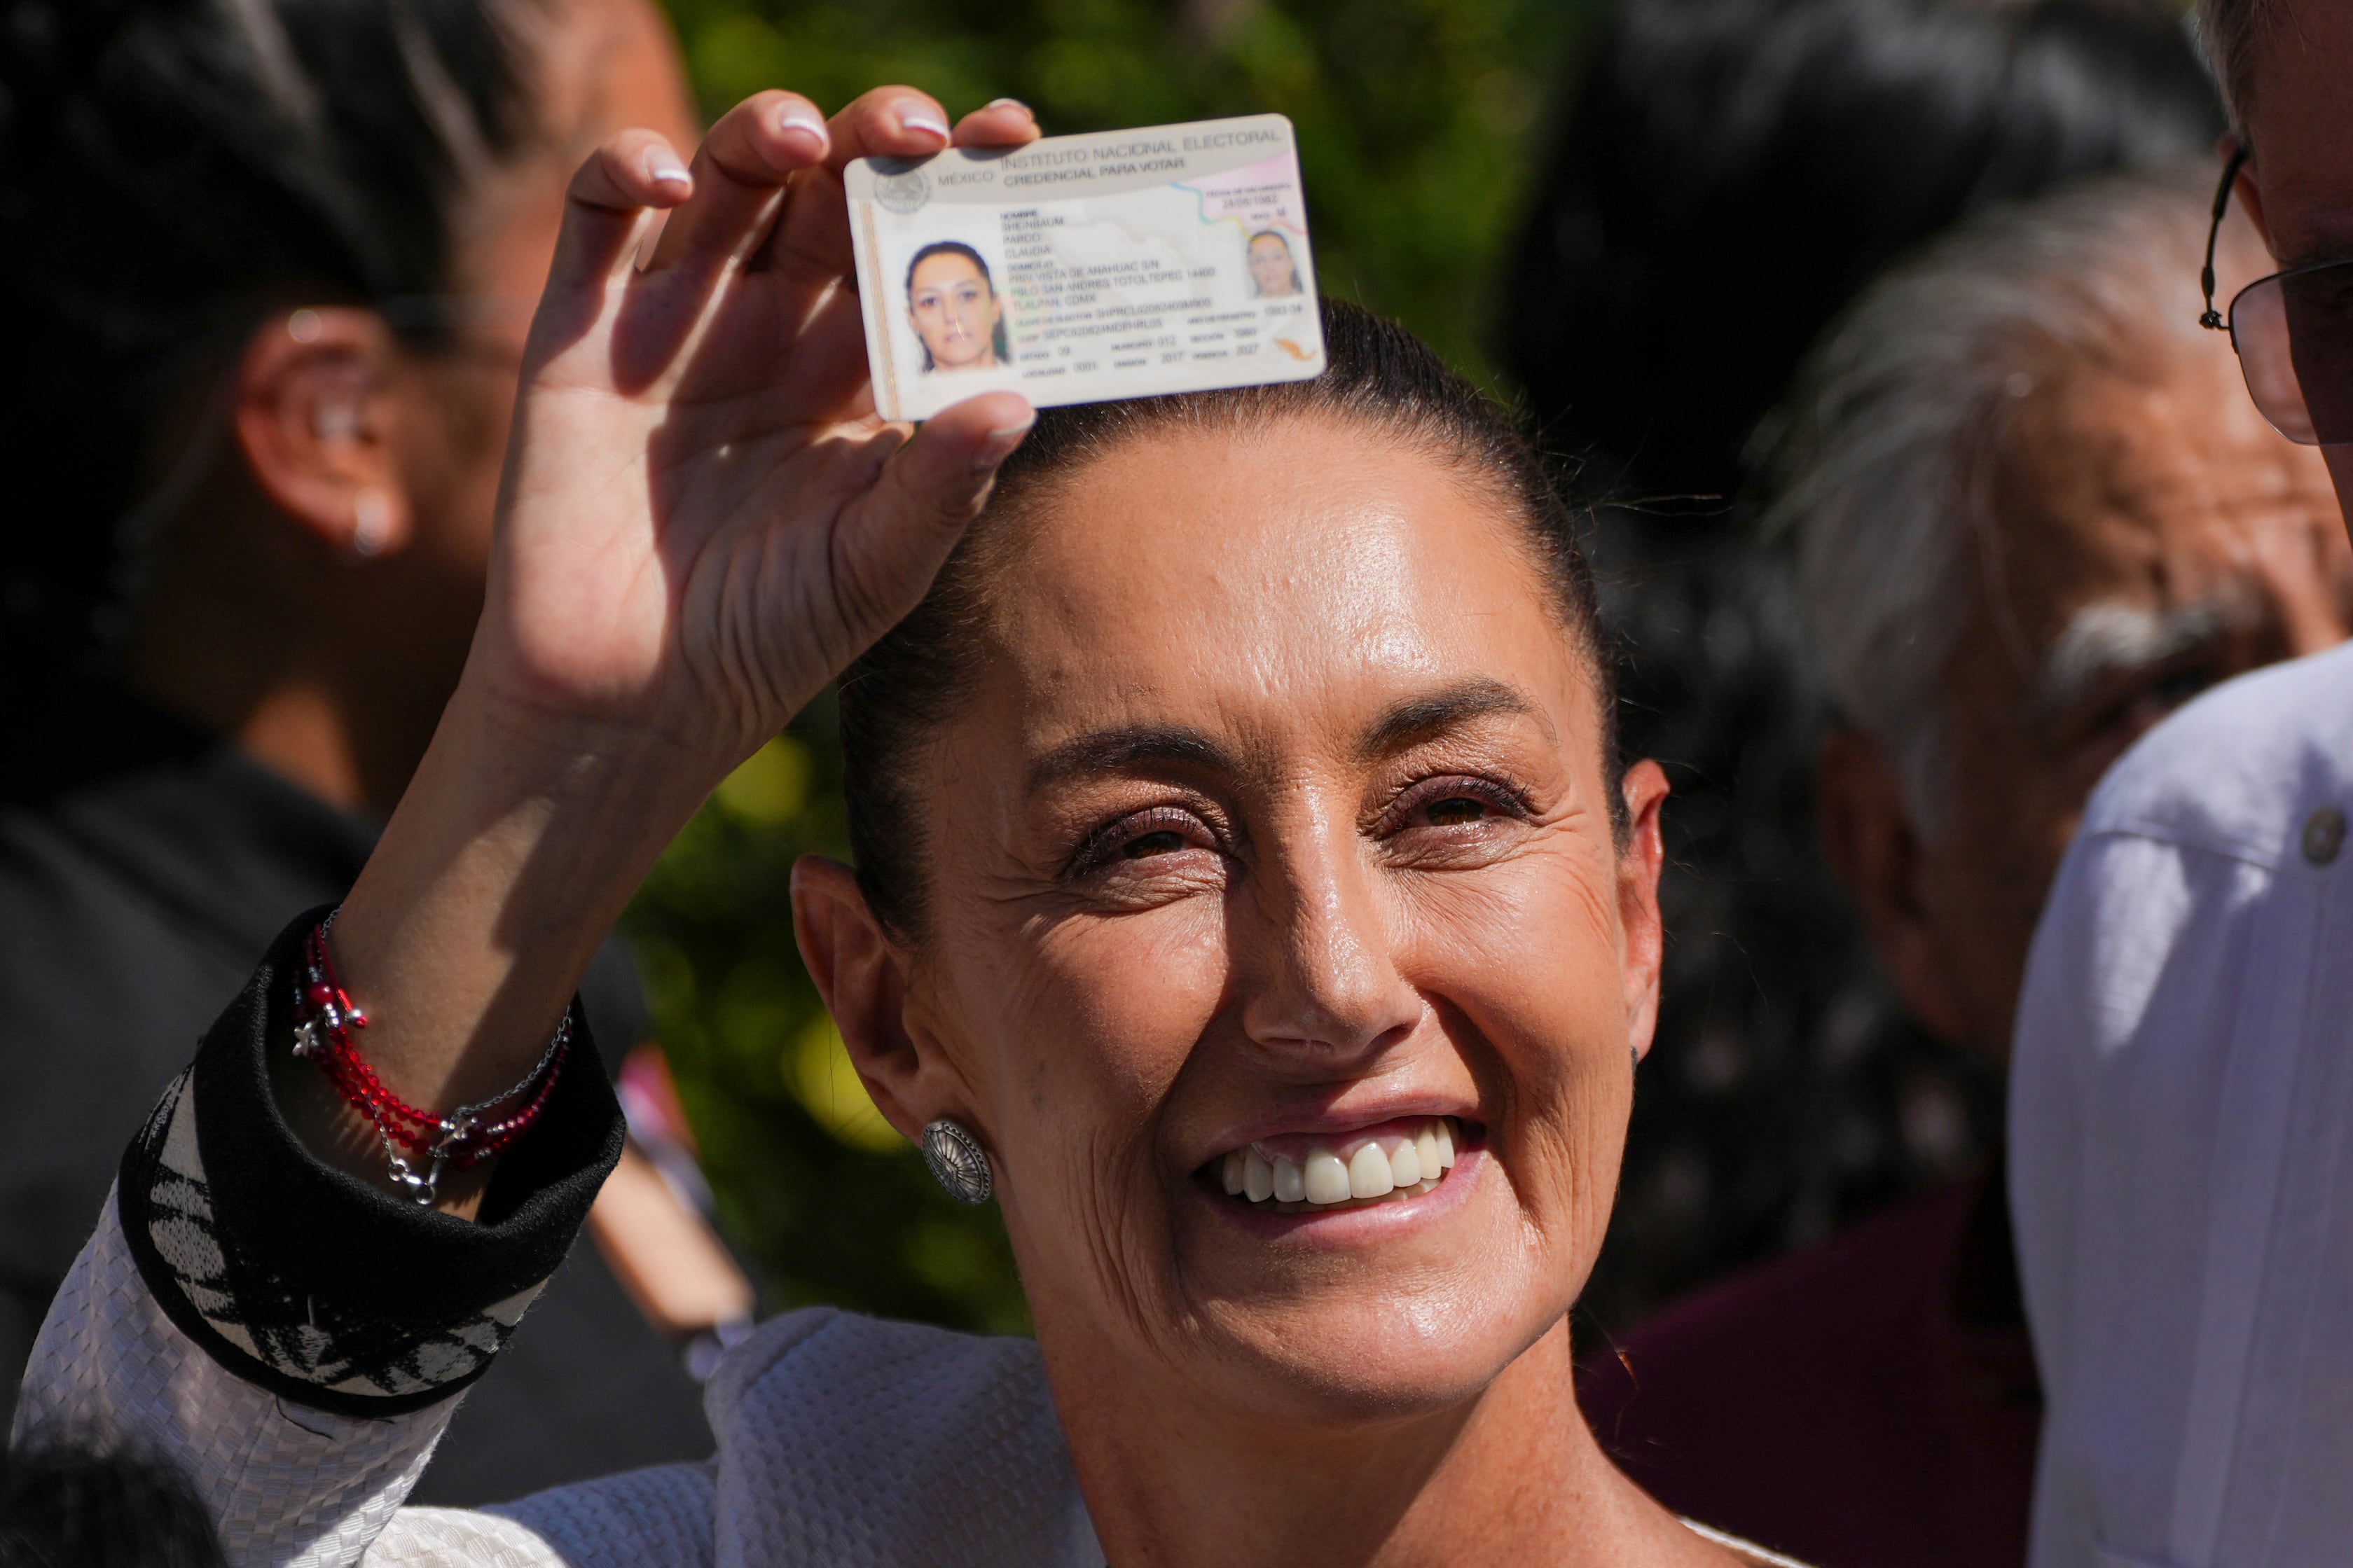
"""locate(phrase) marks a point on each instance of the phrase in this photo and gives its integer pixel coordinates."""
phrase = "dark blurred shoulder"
(1868, 1399)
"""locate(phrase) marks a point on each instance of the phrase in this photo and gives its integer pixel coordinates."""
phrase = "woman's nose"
(1325, 989)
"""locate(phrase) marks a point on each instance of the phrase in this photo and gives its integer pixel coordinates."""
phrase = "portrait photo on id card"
(1077, 268)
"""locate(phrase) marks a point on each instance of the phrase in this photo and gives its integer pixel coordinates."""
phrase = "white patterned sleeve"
(285, 1484)
(292, 1340)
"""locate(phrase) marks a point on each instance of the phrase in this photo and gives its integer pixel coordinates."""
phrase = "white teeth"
(1290, 1185)
(1327, 1179)
(1258, 1177)
(1369, 1174)
(1357, 1170)
(1405, 1163)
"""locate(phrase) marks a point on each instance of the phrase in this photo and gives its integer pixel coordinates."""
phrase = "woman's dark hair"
(1732, 172)
(170, 171)
(949, 248)
(958, 248)
(69, 1508)
(1378, 376)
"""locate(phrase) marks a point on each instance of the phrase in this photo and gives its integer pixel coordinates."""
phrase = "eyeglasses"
(2294, 334)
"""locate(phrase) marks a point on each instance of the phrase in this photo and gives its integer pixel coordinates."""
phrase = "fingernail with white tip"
(1000, 444)
(803, 121)
(1010, 103)
(663, 168)
(923, 120)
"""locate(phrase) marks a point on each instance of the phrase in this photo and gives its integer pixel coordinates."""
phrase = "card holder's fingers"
(810, 243)
(889, 122)
(740, 177)
(1007, 123)
(812, 239)
(606, 204)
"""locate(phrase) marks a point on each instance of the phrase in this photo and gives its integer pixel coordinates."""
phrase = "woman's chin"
(961, 356)
(1371, 1310)
(1385, 1356)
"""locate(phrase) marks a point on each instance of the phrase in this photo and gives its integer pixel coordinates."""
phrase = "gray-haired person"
(2181, 1115)
(2032, 513)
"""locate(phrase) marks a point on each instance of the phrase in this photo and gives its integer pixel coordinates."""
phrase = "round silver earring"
(371, 524)
(957, 1162)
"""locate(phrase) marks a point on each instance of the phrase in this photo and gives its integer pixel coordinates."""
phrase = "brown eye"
(1446, 802)
(1165, 842)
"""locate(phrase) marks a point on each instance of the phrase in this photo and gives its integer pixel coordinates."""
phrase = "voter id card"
(1081, 269)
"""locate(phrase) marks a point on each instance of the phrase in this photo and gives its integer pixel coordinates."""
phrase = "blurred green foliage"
(1417, 122)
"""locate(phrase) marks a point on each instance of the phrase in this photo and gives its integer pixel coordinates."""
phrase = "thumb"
(944, 473)
(927, 494)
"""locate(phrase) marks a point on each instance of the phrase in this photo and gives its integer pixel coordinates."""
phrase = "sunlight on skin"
(1278, 810)
(1152, 959)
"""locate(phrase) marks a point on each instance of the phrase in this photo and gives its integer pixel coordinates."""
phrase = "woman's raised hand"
(703, 520)
(702, 523)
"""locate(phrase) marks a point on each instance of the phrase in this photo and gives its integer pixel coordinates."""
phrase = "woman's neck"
(334, 684)
(1514, 1477)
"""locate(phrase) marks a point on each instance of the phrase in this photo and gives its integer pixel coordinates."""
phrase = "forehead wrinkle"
(1140, 640)
(2125, 478)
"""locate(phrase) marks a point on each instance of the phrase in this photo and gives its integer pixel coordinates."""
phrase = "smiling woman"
(1246, 884)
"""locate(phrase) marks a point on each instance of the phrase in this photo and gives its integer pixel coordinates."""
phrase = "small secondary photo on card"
(1083, 269)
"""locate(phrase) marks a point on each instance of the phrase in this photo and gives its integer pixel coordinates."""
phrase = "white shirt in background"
(2181, 1144)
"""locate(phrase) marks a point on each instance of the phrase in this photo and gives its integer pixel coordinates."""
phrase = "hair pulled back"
(1378, 377)
(172, 170)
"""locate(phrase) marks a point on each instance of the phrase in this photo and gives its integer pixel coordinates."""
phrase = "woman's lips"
(1295, 1174)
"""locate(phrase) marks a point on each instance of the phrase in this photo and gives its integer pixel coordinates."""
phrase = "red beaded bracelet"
(324, 1020)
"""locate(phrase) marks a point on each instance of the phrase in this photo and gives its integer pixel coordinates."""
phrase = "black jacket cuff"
(319, 1287)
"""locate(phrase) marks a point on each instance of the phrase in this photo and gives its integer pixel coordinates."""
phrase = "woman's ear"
(2248, 190)
(314, 419)
(1645, 790)
(861, 974)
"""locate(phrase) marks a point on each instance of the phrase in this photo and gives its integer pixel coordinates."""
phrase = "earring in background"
(957, 1162)
(371, 524)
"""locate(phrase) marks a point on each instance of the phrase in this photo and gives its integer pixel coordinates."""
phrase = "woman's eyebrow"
(1417, 719)
(1122, 750)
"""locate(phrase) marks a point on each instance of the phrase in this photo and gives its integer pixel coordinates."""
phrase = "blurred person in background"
(2033, 513)
(2180, 1163)
(1730, 174)
(75, 1508)
(267, 270)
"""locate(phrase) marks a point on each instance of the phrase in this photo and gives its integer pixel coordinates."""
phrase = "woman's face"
(1270, 265)
(955, 314)
(1278, 823)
